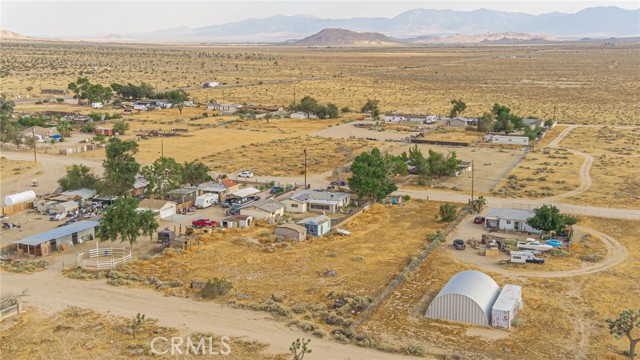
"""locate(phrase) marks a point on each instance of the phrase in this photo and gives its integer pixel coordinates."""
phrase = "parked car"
(459, 244)
(203, 223)
(276, 189)
(246, 174)
(253, 198)
(478, 220)
(227, 203)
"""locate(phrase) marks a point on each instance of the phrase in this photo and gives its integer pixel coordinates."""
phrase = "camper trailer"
(210, 85)
(522, 257)
(206, 200)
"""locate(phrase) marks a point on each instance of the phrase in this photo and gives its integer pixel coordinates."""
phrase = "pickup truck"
(203, 223)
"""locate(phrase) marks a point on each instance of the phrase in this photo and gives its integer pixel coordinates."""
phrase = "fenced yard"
(105, 258)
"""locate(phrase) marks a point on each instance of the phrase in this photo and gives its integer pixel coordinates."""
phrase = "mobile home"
(206, 200)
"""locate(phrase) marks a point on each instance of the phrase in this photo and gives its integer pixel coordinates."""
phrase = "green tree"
(98, 93)
(448, 212)
(505, 120)
(175, 97)
(371, 107)
(300, 348)
(120, 167)
(136, 322)
(457, 108)
(373, 175)
(78, 177)
(417, 160)
(8, 129)
(532, 133)
(122, 221)
(89, 127)
(548, 218)
(332, 111)
(195, 172)
(99, 138)
(307, 105)
(64, 128)
(440, 166)
(486, 122)
(478, 204)
(120, 126)
(624, 326)
(80, 88)
(164, 175)
(180, 107)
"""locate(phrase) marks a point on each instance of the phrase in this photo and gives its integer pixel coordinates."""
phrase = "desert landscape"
(379, 231)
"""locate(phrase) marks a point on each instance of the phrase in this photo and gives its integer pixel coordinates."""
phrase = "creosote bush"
(216, 287)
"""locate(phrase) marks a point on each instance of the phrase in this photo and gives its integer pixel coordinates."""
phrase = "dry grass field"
(11, 169)
(542, 173)
(285, 157)
(383, 240)
(586, 83)
(604, 140)
(563, 318)
(83, 334)
(447, 133)
(616, 183)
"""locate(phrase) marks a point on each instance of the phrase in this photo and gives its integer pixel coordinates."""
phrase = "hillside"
(343, 37)
(507, 37)
(10, 35)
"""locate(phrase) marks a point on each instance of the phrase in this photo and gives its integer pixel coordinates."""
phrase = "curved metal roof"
(473, 285)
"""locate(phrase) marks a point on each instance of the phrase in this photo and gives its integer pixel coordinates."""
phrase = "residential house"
(302, 201)
(532, 123)
(302, 115)
(316, 226)
(40, 133)
(462, 121)
(162, 208)
(236, 221)
(139, 186)
(230, 108)
(183, 194)
(291, 232)
(267, 209)
(395, 117)
(510, 140)
(42, 244)
(509, 220)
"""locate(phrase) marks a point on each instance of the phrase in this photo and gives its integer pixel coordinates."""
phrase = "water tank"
(19, 197)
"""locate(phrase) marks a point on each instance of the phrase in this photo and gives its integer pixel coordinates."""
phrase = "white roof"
(510, 214)
(510, 295)
(245, 192)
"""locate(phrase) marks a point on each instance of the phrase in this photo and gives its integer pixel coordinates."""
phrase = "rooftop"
(153, 204)
(510, 214)
(269, 205)
(245, 192)
(57, 233)
(295, 227)
(236, 218)
(183, 191)
(309, 195)
(316, 220)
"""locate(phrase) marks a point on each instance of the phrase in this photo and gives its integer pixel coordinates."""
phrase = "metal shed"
(468, 297)
(506, 306)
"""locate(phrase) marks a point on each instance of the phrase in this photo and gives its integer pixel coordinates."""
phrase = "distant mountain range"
(343, 37)
(608, 21)
(413, 26)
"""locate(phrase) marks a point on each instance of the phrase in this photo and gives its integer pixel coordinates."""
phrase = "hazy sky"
(68, 18)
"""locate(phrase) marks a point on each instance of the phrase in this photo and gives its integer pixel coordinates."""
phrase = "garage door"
(165, 213)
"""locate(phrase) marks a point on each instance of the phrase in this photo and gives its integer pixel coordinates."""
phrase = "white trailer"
(507, 306)
(206, 200)
(140, 107)
(96, 105)
(522, 257)
(210, 85)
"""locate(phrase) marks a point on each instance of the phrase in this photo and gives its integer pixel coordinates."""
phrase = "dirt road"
(51, 292)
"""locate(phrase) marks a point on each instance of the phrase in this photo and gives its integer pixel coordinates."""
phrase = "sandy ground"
(350, 131)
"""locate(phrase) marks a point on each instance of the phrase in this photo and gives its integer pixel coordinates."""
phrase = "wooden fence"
(10, 311)
(440, 142)
(10, 210)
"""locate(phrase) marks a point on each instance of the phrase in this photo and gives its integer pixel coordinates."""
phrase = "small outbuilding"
(507, 306)
(236, 221)
(267, 209)
(467, 297)
(292, 232)
(57, 239)
(162, 208)
(317, 226)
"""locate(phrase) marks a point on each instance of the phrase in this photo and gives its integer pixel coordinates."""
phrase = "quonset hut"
(468, 297)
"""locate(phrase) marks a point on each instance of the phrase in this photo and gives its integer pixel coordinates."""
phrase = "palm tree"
(64, 128)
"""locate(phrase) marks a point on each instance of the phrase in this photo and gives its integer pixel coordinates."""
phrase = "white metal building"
(467, 297)
(506, 307)
(509, 220)
(510, 140)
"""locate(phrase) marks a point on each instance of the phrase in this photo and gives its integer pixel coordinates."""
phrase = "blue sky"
(75, 18)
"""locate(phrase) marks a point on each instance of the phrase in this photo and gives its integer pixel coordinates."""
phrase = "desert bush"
(516, 322)
(216, 287)
(414, 350)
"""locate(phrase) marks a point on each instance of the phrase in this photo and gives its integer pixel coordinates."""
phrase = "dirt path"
(616, 254)
(51, 292)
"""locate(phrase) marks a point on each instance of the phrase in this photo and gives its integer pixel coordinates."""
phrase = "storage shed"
(56, 239)
(506, 307)
(292, 232)
(467, 297)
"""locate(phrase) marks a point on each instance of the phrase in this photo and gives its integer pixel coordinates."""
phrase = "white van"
(206, 200)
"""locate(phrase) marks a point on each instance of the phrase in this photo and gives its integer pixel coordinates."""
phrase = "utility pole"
(33, 137)
(305, 168)
(294, 98)
(162, 144)
(473, 170)
(554, 112)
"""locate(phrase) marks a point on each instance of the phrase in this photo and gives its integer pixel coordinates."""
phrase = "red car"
(203, 223)
(478, 220)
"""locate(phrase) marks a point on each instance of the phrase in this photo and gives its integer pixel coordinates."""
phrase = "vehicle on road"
(245, 174)
(478, 220)
(203, 223)
(459, 244)
(532, 244)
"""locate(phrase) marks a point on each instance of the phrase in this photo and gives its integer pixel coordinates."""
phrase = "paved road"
(51, 292)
